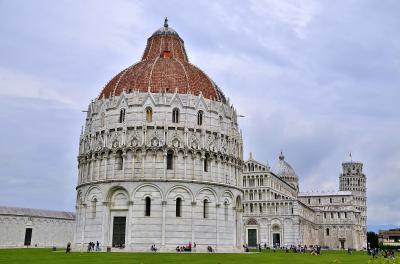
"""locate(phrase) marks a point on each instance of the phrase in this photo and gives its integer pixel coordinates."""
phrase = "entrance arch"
(252, 233)
(276, 235)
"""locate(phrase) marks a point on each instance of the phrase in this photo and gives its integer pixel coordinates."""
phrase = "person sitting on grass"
(153, 248)
(210, 249)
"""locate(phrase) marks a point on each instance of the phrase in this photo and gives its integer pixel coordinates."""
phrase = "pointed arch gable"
(176, 100)
(149, 100)
(122, 102)
(201, 104)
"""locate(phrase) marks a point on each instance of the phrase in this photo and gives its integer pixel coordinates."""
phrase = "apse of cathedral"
(160, 162)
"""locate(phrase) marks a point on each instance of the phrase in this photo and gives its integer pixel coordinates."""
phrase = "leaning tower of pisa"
(354, 180)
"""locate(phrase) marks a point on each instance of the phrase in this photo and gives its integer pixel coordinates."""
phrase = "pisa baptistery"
(160, 158)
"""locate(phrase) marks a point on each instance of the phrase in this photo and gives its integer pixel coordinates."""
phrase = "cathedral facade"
(277, 214)
(160, 162)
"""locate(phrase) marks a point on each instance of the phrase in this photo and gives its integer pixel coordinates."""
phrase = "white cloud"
(296, 14)
(17, 84)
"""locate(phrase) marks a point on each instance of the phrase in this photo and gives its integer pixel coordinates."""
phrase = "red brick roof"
(164, 67)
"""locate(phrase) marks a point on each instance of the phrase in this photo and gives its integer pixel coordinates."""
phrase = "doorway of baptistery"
(118, 231)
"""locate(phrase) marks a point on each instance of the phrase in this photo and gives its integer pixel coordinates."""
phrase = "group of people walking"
(91, 246)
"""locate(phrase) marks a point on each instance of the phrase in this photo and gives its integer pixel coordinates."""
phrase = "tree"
(372, 239)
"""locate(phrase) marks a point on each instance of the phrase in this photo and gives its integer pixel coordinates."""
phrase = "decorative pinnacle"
(166, 22)
(281, 157)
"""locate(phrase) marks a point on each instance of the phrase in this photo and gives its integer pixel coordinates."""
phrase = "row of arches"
(251, 167)
(158, 164)
(112, 194)
(269, 208)
(263, 194)
(175, 116)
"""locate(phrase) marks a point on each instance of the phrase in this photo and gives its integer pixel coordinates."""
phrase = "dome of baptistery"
(164, 67)
(284, 171)
(160, 158)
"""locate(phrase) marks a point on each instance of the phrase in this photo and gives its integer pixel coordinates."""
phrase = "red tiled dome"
(164, 67)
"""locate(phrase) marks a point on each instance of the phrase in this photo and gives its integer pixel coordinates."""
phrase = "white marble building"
(160, 157)
(160, 162)
(276, 213)
(21, 227)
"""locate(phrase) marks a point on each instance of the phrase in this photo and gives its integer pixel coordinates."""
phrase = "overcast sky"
(316, 79)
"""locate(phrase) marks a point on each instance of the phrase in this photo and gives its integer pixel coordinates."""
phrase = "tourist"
(210, 249)
(259, 247)
(68, 250)
(153, 248)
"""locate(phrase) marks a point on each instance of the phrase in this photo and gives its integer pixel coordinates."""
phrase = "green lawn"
(46, 256)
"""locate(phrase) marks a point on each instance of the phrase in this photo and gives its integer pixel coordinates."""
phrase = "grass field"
(46, 256)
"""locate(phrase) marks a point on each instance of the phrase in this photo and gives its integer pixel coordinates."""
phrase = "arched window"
(178, 207)
(200, 118)
(118, 161)
(122, 115)
(170, 160)
(205, 208)
(102, 119)
(327, 231)
(226, 210)
(175, 115)
(251, 208)
(148, 206)
(94, 203)
(149, 114)
(206, 163)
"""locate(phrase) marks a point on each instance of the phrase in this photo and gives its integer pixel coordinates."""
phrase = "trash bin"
(108, 249)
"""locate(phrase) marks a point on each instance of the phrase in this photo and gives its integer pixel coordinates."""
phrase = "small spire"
(166, 22)
(251, 155)
(351, 158)
(281, 157)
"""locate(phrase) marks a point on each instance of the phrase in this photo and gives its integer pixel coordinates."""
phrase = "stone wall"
(46, 232)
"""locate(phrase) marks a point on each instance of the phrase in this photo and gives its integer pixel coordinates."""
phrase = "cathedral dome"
(283, 169)
(164, 68)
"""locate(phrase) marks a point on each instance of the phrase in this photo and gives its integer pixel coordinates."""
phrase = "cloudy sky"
(317, 79)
